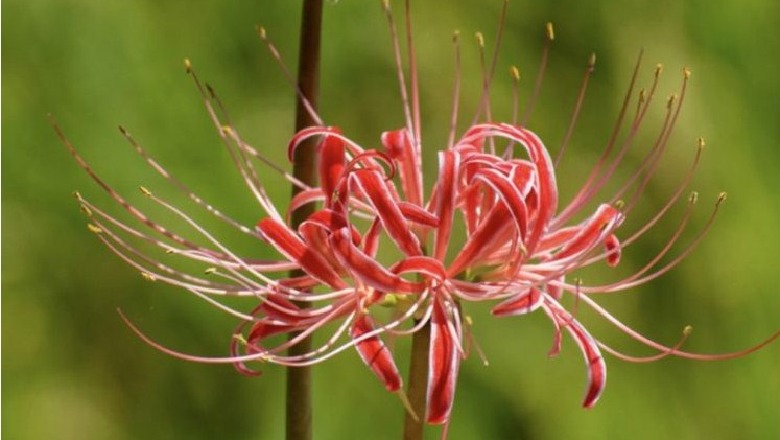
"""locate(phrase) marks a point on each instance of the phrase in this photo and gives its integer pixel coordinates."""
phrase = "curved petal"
(375, 354)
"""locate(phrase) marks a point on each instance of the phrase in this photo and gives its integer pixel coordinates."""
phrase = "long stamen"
(288, 76)
(577, 107)
(455, 91)
(529, 107)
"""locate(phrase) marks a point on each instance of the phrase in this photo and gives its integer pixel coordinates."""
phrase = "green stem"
(418, 383)
(299, 392)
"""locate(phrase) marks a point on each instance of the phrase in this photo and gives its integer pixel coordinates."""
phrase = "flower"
(519, 246)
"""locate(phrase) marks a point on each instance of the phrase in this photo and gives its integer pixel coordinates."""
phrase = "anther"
(261, 33)
(187, 65)
(686, 72)
(515, 72)
(480, 39)
(145, 191)
(148, 277)
(85, 209)
(455, 36)
(658, 69)
(95, 229)
(670, 101)
(701, 143)
(721, 198)
(619, 205)
(693, 198)
(240, 338)
(210, 271)
(687, 330)
(77, 196)
(550, 31)
(592, 60)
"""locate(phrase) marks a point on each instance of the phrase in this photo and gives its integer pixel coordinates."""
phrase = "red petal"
(366, 269)
(294, 248)
(372, 185)
(612, 244)
(597, 369)
(445, 201)
(606, 219)
(520, 304)
(332, 160)
(400, 148)
(443, 363)
(375, 354)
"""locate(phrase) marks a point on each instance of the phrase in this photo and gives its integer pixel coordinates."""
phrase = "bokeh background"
(70, 367)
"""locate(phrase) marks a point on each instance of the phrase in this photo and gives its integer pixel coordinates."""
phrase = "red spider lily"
(518, 245)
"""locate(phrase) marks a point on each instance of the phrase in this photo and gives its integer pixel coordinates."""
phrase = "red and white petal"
(366, 269)
(294, 248)
(375, 354)
(400, 148)
(372, 186)
(594, 361)
(520, 304)
(443, 363)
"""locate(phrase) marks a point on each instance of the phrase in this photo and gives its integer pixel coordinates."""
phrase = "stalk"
(298, 423)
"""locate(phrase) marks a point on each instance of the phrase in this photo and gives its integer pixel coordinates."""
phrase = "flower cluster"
(495, 195)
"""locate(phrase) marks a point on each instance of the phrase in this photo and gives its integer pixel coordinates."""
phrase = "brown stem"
(299, 408)
(418, 383)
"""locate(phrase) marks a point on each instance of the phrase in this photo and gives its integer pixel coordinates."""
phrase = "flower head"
(492, 228)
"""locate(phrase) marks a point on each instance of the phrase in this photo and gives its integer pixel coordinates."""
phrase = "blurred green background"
(72, 370)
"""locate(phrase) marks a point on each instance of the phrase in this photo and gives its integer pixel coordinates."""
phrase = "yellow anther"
(686, 72)
(550, 31)
(687, 330)
(240, 338)
(187, 65)
(701, 143)
(210, 271)
(148, 277)
(592, 60)
(693, 198)
(480, 39)
(515, 72)
(145, 191)
(722, 197)
(85, 209)
(261, 32)
(94, 228)
(658, 69)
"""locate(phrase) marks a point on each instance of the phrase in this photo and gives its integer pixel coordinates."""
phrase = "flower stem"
(299, 393)
(418, 382)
